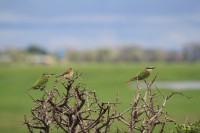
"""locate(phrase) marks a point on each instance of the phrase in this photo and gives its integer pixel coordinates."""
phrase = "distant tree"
(191, 52)
(103, 55)
(130, 53)
(34, 49)
(88, 56)
(173, 56)
(73, 55)
(153, 55)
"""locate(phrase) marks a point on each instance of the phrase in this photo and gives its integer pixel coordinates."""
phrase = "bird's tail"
(129, 81)
(30, 88)
(133, 79)
(58, 76)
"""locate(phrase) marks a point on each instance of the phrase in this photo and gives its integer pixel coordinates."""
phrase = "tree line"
(123, 53)
(189, 53)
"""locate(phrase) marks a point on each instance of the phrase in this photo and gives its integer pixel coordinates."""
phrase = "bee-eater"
(67, 74)
(143, 74)
(41, 82)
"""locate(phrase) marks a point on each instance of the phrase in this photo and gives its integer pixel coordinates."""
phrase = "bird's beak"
(50, 74)
(150, 67)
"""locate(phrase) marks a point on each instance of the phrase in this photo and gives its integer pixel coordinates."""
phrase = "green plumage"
(143, 74)
(41, 82)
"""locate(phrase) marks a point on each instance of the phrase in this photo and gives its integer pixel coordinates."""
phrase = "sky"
(84, 24)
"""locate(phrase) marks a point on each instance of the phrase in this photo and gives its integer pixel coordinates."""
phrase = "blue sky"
(86, 24)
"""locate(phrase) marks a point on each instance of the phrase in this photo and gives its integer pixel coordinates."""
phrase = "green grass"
(105, 79)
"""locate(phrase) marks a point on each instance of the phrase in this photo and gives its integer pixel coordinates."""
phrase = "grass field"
(105, 79)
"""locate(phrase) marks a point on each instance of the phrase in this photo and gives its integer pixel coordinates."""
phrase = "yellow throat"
(149, 70)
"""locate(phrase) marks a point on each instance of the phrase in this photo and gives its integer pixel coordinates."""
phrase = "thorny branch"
(76, 110)
(79, 110)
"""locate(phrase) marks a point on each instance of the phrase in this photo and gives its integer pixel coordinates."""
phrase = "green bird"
(143, 74)
(41, 82)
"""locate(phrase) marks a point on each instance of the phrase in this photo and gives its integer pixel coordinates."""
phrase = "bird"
(143, 74)
(69, 72)
(41, 82)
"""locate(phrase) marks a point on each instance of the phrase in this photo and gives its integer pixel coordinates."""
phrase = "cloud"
(161, 29)
(100, 39)
(71, 18)
(11, 17)
(177, 37)
(81, 39)
(170, 19)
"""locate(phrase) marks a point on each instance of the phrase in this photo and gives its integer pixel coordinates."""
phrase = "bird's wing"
(41, 81)
(143, 74)
(67, 72)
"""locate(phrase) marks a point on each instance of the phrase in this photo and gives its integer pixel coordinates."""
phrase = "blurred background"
(108, 41)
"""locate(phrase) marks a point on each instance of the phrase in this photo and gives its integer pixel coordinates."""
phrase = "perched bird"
(143, 74)
(41, 82)
(67, 74)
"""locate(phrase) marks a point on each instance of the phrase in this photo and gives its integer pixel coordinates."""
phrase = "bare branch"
(72, 108)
